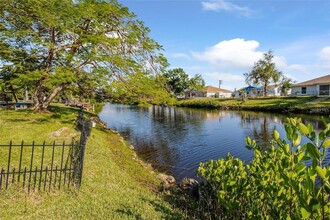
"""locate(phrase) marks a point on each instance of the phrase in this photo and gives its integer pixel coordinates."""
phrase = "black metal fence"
(45, 166)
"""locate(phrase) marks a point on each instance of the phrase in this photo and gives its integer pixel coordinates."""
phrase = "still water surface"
(176, 140)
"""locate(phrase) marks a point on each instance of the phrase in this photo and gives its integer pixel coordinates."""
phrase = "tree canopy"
(178, 81)
(52, 45)
(264, 72)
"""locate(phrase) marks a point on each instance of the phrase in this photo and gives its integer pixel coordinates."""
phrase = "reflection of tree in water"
(153, 150)
(179, 119)
(159, 132)
(160, 155)
(260, 126)
(158, 147)
(177, 116)
(318, 125)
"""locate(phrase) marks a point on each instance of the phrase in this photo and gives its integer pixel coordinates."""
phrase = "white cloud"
(221, 5)
(181, 55)
(280, 61)
(325, 58)
(235, 53)
(291, 77)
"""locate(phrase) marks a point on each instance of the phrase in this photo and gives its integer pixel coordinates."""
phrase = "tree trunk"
(41, 102)
(13, 93)
(265, 89)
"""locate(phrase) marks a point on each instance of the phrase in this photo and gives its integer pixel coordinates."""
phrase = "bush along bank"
(300, 105)
(283, 181)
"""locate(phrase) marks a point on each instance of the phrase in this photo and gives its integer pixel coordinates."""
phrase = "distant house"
(317, 86)
(274, 90)
(277, 90)
(250, 91)
(209, 91)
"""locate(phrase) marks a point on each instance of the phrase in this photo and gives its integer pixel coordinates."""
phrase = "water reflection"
(176, 140)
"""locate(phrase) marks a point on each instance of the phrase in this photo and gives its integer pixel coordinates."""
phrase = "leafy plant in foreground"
(286, 181)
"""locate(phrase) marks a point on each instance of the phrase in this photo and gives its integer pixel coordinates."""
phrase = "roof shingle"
(215, 89)
(319, 80)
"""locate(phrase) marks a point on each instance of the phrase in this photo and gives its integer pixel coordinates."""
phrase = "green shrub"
(277, 183)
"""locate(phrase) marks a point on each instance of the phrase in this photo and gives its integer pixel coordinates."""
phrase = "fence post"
(84, 125)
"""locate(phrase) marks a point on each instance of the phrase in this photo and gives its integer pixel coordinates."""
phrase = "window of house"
(324, 89)
(303, 90)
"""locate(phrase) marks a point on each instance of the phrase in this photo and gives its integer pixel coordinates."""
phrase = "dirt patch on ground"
(62, 132)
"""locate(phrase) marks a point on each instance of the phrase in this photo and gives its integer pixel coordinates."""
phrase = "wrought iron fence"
(45, 166)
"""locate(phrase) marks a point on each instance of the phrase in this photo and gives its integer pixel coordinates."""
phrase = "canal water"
(177, 140)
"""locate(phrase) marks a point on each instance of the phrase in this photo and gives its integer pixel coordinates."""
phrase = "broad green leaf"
(248, 140)
(276, 135)
(288, 130)
(293, 121)
(322, 136)
(287, 148)
(326, 143)
(301, 156)
(324, 122)
(248, 147)
(296, 140)
(313, 135)
(303, 129)
(321, 172)
(306, 158)
(327, 188)
(299, 167)
(313, 151)
(328, 133)
(310, 128)
(314, 203)
(304, 213)
(231, 183)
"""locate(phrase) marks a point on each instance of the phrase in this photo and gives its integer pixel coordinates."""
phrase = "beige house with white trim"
(209, 91)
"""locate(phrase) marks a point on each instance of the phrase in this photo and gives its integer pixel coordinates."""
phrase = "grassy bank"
(313, 105)
(114, 185)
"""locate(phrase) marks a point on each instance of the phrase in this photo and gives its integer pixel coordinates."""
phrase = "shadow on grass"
(169, 213)
(59, 111)
(129, 213)
(191, 206)
(17, 120)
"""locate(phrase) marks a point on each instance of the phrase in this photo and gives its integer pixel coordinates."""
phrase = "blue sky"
(221, 39)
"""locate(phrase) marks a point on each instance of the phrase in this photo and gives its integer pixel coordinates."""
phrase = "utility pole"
(220, 82)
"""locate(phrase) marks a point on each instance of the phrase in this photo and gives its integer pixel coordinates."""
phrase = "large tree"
(264, 72)
(141, 89)
(50, 45)
(196, 82)
(178, 81)
(286, 84)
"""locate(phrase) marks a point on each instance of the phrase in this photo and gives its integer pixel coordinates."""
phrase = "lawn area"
(114, 186)
(299, 104)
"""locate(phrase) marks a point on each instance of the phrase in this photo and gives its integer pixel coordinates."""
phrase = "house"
(317, 86)
(250, 91)
(277, 90)
(212, 91)
(274, 90)
(209, 91)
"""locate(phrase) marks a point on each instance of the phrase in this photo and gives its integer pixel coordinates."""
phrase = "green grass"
(114, 185)
(298, 104)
